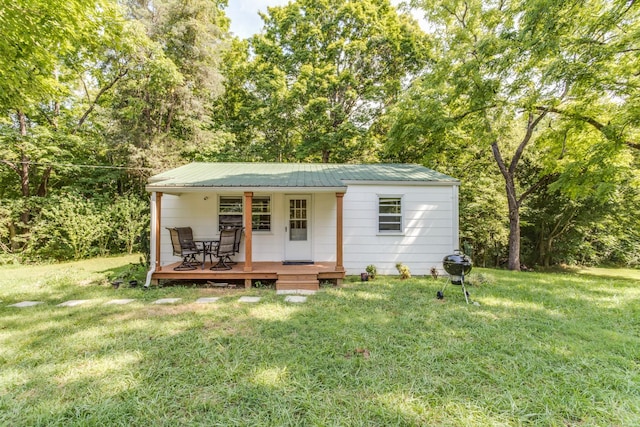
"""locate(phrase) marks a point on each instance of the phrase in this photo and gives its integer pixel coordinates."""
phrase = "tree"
(46, 49)
(559, 78)
(83, 83)
(162, 113)
(324, 71)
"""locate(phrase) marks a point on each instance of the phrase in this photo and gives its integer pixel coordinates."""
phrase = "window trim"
(240, 213)
(380, 215)
(268, 213)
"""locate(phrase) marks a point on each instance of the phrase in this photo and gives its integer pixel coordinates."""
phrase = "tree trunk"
(325, 156)
(514, 209)
(24, 171)
(44, 182)
(509, 175)
(514, 226)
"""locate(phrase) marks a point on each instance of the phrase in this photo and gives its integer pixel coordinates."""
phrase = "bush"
(132, 218)
(73, 227)
(372, 271)
(404, 271)
(69, 227)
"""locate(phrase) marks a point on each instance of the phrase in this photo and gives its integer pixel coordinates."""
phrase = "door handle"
(285, 229)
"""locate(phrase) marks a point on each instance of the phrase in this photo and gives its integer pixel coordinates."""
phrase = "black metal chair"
(224, 249)
(184, 247)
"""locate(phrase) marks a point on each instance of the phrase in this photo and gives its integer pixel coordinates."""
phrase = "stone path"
(296, 297)
(167, 301)
(120, 301)
(26, 304)
(73, 303)
(207, 300)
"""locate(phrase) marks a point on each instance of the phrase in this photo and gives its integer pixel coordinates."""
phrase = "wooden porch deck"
(305, 277)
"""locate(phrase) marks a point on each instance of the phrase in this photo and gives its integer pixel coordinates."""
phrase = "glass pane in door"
(297, 220)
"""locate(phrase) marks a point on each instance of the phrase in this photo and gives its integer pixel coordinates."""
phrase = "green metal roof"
(291, 175)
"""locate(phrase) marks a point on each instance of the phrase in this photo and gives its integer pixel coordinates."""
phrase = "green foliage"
(372, 271)
(112, 87)
(69, 225)
(139, 85)
(131, 215)
(73, 227)
(404, 271)
(533, 86)
(320, 75)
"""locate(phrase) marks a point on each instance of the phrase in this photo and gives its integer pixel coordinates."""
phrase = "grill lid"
(457, 264)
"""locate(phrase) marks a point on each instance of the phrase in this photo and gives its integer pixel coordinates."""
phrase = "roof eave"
(174, 189)
(446, 183)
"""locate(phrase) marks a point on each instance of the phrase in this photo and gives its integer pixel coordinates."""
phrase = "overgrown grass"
(540, 349)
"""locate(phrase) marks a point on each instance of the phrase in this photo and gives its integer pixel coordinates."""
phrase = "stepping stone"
(207, 300)
(26, 304)
(167, 300)
(249, 299)
(295, 298)
(72, 303)
(295, 292)
(120, 301)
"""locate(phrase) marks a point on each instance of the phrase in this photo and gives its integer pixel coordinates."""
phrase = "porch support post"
(339, 217)
(157, 229)
(248, 254)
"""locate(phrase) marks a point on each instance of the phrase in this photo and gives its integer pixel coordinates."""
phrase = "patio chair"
(184, 247)
(236, 245)
(224, 249)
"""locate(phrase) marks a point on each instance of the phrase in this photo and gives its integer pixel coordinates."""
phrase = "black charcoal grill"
(456, 265)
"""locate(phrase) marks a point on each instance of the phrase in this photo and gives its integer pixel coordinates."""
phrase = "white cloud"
(246, 22)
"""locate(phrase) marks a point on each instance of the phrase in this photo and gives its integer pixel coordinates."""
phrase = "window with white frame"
(389, 214)
(261, 213)
(230, 212)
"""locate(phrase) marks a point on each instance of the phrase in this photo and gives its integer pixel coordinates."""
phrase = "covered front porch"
(260, 256)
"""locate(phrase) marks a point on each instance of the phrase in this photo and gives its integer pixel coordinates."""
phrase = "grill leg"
(440, 294)
(464, 290)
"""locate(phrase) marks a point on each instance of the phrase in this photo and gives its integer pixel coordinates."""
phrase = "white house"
(337, 217)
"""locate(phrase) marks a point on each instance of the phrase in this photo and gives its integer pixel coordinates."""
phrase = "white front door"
(298, 229)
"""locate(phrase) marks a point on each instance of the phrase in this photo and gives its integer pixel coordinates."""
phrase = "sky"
(245, 20)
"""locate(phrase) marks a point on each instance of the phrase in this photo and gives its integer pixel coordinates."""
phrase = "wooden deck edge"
(175, 275)
(270, 271)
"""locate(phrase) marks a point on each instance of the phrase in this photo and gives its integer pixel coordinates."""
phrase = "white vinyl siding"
(429, 231)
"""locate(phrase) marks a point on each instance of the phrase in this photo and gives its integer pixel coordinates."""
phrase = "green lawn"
(540, 349)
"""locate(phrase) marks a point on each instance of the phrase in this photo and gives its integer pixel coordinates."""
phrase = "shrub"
(372, 271)
(404, 271)
(69, 227)
(131, 216)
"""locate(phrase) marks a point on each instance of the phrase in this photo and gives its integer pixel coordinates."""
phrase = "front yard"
(540, 349)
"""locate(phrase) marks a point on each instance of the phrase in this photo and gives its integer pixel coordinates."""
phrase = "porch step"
(293, 277)
(302, 281)
(306, 285)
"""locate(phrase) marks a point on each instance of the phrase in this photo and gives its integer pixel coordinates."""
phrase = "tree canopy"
(533, 104)
(322, 72)
(550, 89)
